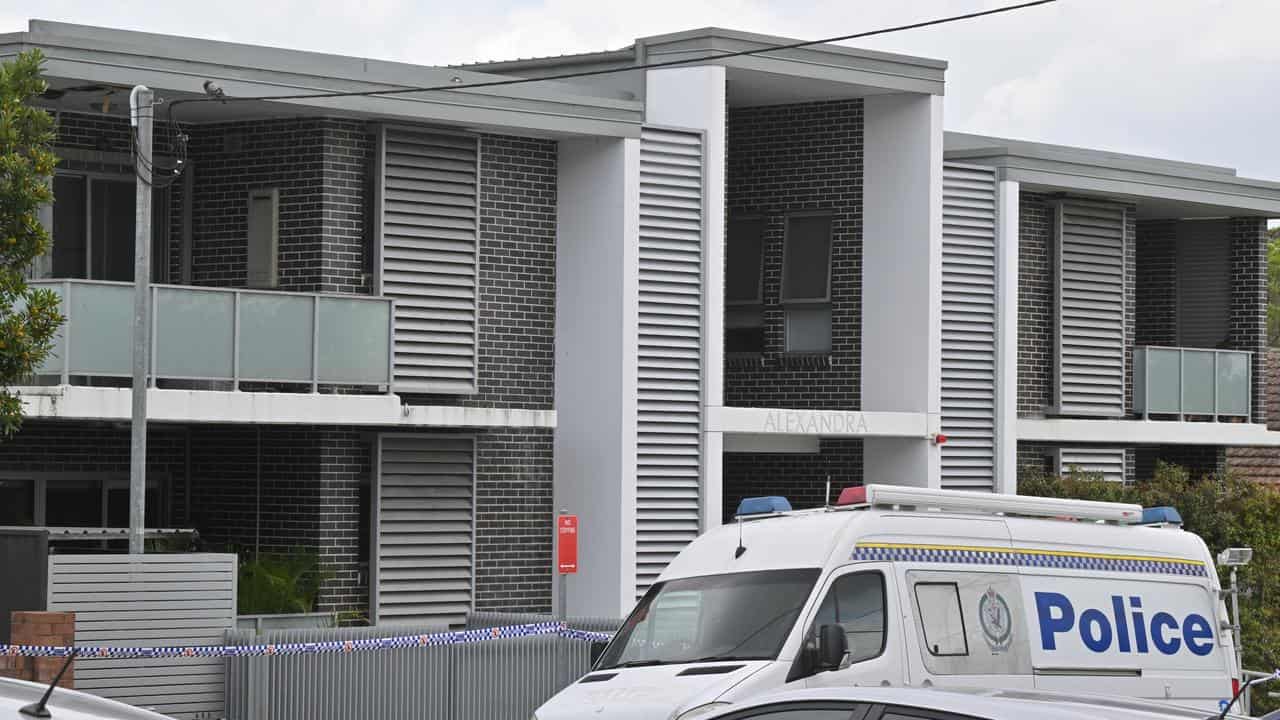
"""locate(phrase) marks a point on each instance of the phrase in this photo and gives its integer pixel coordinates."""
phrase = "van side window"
(856, 602)
(941, 619)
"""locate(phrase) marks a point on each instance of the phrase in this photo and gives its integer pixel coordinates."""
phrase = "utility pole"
(141, 116)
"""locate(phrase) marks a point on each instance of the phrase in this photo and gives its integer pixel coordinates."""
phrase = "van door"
(863, 599)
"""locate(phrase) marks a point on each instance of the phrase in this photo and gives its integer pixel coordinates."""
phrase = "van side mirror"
(597, 649)
(833, 645)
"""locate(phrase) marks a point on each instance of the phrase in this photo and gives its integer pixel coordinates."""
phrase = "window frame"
(924, 630)
(856, 710)
(786, 239)
(160, 200)
(812, 632)
(106, 481)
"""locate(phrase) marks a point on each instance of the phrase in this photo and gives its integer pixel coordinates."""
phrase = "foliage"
(1225, 510)
(1273, 286)
(271, 584)
(28, 318)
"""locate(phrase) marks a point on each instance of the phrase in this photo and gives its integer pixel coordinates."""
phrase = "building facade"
(399, 333)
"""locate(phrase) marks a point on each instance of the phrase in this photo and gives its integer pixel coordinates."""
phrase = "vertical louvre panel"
(668, 447)
(425, 522)
(968, 327)
(1204, 283)
(1107, 462)
(428, 260)
(1090, 283)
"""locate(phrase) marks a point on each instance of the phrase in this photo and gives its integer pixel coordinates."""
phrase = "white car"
(944, 704)
(63, 704)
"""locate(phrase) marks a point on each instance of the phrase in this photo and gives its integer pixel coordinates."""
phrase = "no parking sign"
(567, 544)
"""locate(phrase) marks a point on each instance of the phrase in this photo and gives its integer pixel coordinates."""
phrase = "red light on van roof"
(853, 496)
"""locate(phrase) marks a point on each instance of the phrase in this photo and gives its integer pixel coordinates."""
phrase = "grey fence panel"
(492, 680)
(149, 600)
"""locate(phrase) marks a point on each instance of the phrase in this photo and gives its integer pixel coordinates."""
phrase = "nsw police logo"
(995, 620)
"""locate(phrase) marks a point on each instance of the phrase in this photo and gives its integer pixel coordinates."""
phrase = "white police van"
(900, 586)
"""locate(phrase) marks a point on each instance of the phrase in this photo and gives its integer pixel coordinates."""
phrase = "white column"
(1006, 431)
(597, 297)
(694, 98)
(902, 279)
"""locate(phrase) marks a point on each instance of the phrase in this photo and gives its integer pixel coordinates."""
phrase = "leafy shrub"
(1225, 510)
(272, 584)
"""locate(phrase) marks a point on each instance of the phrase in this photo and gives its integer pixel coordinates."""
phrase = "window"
(92, 226)
(806, 283)
(736, 616)
(806, 710)
(743, 286)
(856, 602)
(17, 502)
(941, 619)
(264, 239)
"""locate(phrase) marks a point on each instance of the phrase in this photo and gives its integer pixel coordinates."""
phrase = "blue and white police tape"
(455, 637)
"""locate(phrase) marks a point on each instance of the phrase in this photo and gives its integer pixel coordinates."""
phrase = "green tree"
(1273, 286)
(28, 317)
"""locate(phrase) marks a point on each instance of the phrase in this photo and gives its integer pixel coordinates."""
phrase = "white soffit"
(1144, 432)
(65, 402)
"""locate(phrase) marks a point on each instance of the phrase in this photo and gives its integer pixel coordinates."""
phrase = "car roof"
(994, 704)
(65, 704)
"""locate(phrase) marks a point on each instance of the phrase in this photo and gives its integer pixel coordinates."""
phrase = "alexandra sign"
(816, 423)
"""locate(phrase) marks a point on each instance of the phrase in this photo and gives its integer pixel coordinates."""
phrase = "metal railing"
(224, 334)
(1192, 381)
(493, 680)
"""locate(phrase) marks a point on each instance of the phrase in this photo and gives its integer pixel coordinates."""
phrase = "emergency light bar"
(925, 498)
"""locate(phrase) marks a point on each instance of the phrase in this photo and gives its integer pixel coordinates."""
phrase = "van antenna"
(741, 548)
(39, 709)
(826, 499)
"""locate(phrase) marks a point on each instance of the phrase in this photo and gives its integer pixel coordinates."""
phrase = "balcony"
(1190, 383)
(281, 340)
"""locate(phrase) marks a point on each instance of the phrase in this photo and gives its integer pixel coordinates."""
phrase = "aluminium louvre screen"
(968, 326)
(428, 256)
(669, 423)
(1090, 281)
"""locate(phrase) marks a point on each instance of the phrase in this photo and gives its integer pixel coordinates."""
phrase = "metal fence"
(491, 680)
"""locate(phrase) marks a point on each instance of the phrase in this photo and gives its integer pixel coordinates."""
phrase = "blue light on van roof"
(762, 505)
(1158, 515)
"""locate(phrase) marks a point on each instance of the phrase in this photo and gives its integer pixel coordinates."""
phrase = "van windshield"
(739, 616)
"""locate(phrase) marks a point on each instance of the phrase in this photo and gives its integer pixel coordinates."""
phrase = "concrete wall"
(597, 290)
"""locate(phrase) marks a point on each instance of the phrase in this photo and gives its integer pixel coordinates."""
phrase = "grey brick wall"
(1036, 315)
(1156, 309)
(517, 276)
(514, 520)
(802, 479)
(317, 164)
(1249, 302)
(783, 159)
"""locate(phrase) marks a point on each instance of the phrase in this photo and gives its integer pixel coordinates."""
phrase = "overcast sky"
(1185, 79)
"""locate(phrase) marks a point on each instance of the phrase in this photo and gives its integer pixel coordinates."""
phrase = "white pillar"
(902, 279)
(694, 98)
(597, 301)
(1006, 430)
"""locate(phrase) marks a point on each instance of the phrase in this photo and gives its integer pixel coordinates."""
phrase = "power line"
(609, 71)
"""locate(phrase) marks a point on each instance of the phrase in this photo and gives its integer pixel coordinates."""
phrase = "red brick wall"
(40, 628)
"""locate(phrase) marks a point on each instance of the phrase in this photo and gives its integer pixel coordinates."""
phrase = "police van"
(897, 586)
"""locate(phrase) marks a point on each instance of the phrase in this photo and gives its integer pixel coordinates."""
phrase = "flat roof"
(180, 65)
(1162, 188)
(846, 71)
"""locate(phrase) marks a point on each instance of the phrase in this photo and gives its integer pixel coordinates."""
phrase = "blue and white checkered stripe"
(1027, 558)
(457, 637)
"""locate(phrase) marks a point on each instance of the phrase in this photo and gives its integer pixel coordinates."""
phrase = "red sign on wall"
(567, 544)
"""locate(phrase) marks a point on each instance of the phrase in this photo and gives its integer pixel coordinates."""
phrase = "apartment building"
(401, 332)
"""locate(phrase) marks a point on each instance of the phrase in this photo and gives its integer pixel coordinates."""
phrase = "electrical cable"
(456, 86)
(609, 71)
